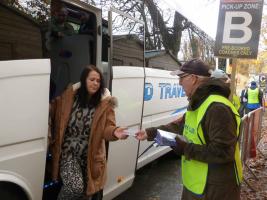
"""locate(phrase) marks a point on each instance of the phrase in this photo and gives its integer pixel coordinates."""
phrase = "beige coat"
(102, 128)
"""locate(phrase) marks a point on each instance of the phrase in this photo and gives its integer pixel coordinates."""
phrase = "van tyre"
(10, 191)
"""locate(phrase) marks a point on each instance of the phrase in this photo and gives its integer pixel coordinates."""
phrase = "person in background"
(211, 164)
(254, 96)
(59, 26)
(87, 24)
(84, 120)
(236, 102)
(87, 27)
(220, 74)
(243, 101)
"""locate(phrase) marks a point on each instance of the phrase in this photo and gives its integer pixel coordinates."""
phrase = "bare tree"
(38, 10)
(159, 33)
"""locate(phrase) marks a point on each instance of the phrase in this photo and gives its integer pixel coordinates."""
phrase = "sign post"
(233, 82)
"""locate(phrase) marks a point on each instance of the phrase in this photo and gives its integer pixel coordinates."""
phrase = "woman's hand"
(141, 135)
(120, 133)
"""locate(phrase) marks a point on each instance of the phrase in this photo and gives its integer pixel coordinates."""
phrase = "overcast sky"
(203, 13)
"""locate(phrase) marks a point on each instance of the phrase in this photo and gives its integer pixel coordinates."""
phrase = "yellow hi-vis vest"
(236, 102)
(253, 95)
(194, 173)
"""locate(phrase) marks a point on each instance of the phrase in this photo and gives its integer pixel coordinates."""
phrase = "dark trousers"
(242, 110)
(98, 195)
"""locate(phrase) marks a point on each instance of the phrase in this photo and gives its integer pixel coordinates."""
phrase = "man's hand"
(180, 145)
(141, 135)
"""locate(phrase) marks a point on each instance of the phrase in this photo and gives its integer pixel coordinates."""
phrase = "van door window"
(70, 43)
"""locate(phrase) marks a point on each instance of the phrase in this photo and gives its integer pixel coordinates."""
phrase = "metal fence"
(249, 137)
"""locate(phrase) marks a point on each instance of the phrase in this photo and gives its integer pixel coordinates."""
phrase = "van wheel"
(11, 191)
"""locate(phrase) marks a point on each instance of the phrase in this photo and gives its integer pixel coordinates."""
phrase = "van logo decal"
(148, 92)
(167, 91)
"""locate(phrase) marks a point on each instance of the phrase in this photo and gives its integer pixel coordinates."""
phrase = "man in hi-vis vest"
(254, 97)
(211, 164)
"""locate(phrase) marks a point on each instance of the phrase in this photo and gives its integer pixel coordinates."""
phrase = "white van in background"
(146, 96)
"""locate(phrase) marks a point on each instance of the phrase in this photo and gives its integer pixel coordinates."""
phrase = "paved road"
(160, 180)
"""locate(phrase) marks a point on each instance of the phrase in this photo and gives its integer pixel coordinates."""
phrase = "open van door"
(146, 96)
(127, 85)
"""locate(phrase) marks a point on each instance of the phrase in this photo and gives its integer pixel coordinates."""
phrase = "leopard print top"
(76, 137)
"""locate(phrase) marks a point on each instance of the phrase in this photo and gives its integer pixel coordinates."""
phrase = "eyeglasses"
(184, 75)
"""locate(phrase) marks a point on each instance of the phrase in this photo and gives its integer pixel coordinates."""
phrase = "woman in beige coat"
(83, 119)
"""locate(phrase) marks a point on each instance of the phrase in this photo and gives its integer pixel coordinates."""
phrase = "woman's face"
(93, 82)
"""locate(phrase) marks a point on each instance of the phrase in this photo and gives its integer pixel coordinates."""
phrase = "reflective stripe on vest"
(253, 95)
(194, 173)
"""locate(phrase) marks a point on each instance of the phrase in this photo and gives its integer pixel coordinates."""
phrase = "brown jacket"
(102, 128)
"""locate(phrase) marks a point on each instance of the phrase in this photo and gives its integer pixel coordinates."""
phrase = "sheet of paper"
(170, 135)
(167, 134)
(131, 131)
(164, 138)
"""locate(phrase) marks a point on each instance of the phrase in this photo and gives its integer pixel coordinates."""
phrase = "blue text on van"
(167, 91)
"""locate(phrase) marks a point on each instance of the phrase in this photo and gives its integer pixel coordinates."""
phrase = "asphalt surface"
(160, 180)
